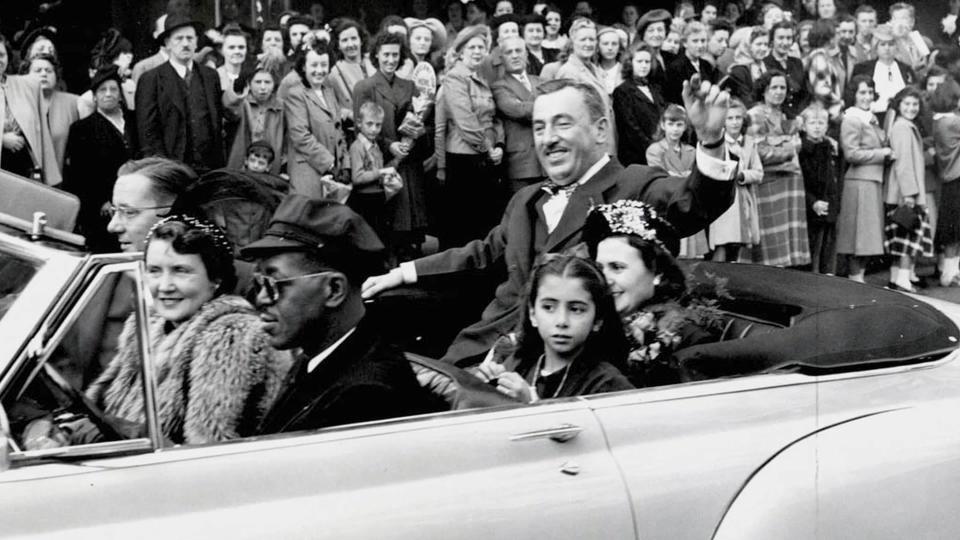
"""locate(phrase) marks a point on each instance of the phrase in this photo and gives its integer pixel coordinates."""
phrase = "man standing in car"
(310, 264)
(571, 131)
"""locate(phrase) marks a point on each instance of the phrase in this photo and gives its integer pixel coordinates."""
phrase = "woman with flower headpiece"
(215, 372)
(635, 248)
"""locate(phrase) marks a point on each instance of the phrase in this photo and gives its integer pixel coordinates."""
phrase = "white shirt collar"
(315, 361)
(594, 169)
(118, 121)
(180, 68)
(866, 116)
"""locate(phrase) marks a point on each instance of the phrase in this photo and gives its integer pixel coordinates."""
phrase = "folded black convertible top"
(830, 324)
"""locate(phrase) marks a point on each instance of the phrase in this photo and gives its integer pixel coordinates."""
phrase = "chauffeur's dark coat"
(364, 379)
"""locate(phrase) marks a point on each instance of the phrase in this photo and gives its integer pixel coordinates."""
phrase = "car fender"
(894, 474)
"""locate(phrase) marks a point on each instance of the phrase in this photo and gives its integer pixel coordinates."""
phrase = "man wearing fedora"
(178, 103)
(571, 133)
(310, 264)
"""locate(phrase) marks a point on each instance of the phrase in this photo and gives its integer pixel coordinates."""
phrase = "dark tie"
(188, 76)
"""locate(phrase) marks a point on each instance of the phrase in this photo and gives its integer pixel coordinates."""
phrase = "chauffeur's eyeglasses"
(272, 287)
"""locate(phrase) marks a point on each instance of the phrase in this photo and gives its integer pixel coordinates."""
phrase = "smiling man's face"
(567, 140)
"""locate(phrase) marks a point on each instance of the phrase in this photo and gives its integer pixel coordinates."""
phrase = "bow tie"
(553, 188)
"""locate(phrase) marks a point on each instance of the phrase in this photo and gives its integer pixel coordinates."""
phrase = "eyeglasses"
(271, 285)
(127, 213)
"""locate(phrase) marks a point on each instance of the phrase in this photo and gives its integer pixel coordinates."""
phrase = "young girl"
(571, 339)
(906, 239)
(636, 106)
(676, 157)
(611, 43)
(739, 225)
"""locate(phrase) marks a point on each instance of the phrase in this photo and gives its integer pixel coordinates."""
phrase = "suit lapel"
(587, 195)
(518, 88)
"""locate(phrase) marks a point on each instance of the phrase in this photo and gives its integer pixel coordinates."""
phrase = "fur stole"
(213, 372)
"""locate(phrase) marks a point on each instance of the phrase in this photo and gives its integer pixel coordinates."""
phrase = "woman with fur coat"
(215, 373)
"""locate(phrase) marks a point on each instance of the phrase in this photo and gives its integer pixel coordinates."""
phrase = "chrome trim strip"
(83, 451)
(149, 377)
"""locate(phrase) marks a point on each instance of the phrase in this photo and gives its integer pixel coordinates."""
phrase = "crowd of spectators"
(846, 129)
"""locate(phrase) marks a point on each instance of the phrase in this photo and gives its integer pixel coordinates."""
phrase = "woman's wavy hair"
(761, 84)
(388, 38)
(655, 256)
(626, 65)
(190, 236)
(908, 91)
(342, 25)
(850, 92)
(608, 343)
(318, 46)
(57, 69)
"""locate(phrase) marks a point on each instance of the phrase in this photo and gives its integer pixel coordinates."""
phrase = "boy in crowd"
(260, 157)
(818, 162)
(373, 184)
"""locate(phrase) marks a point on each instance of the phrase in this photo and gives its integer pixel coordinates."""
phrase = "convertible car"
(827, 410)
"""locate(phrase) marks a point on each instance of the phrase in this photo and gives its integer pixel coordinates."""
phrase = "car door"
(542, 470)
(474, 474)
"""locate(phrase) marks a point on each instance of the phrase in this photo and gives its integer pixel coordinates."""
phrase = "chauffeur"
(310, 264)
(571, 130)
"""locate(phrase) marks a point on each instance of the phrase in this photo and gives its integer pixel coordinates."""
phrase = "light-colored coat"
(25, 101)
(207, 369)
(906, 173)
(862, 145)
(469, 112)
(314, 140)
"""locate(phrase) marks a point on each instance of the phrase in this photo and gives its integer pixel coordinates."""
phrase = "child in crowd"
(260, 157)
(818, 162)
(676, 157)
(672, 42)
(373, 183)
(571, 340)
(739, 226)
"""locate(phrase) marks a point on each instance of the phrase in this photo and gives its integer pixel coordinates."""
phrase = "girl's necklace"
(536, 375)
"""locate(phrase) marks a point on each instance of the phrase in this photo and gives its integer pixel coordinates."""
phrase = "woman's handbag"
(906, 217)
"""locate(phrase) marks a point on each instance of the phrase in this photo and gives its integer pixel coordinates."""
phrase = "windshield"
(15, 273)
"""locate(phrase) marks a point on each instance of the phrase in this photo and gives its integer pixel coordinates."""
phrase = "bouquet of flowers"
(656, 331)
(425, 79)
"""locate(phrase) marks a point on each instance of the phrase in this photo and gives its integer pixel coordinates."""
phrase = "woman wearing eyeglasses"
(215, 372)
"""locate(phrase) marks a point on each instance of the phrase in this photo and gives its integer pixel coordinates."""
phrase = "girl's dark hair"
(344, 24)
(850, 92)
(761, 84)
(387, 38)
(189, 239)
(609, 343)
(908, 91)
(318, 46)
(626, 65)
(933, 71)
(945, 97)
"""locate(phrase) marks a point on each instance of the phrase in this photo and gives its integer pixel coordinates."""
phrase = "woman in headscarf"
(748, 65)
